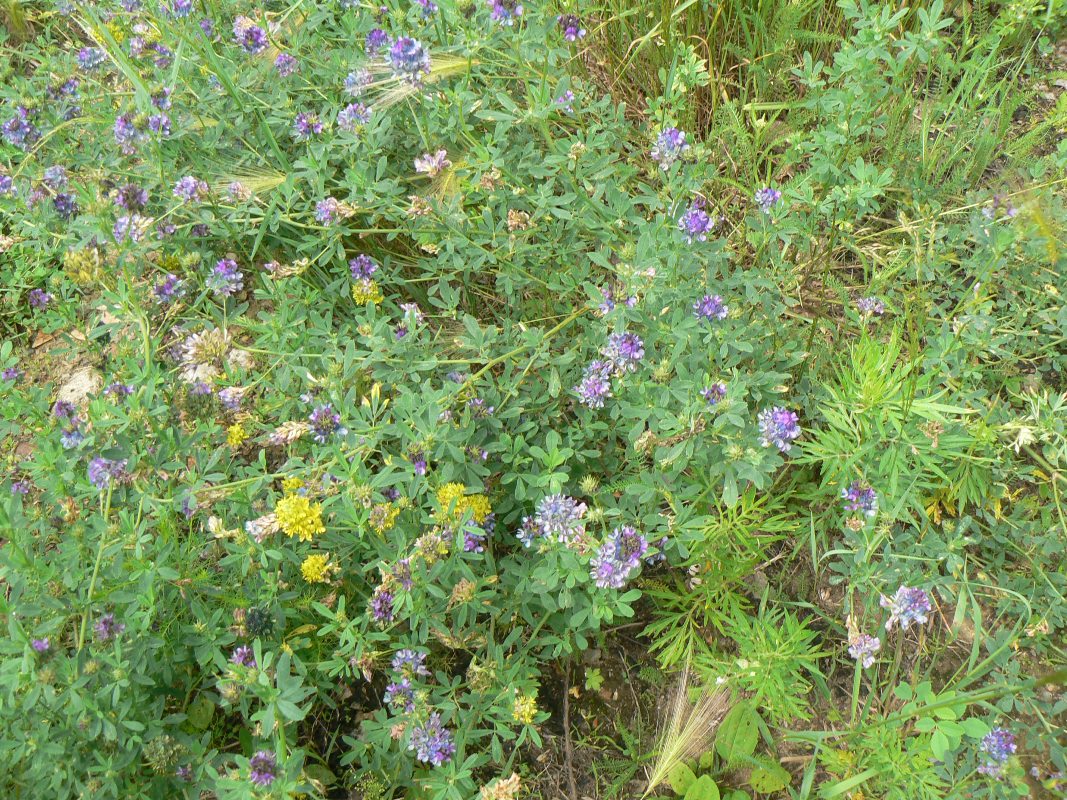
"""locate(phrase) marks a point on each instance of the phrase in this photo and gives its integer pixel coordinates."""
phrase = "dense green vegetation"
(450, 401)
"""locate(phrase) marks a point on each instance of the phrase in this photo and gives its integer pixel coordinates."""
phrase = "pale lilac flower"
(566, 101)
(357, 81)
(670, 146)
(618, 558)
(410, 662)
(624, 352)
(595, 385)
(870, 306)
(286, 64)
(778, 426)
(997, 747)
(400, 695)
(767, 199)
(353, 116)
(432, 164)
(862, 647)
(710, 307)
(226, 278)
(504, 12)
(130, 226)
(560, 518)
(41, 645)
(243, 656)
(907, 606)
(432, 742)
(189, 189)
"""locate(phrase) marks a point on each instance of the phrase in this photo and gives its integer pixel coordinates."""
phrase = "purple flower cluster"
(571, 25)
(226, 278)
(131, 197)
(595, 386)
(767, 199)
(565, 101)
(169, 289)
(286, 64)
(670, 146)
(778, 426)
(696, 223)
(353, 117)
(862, 647)
(400, 694)
(504, 12)
(329, 210)
(263, 768)
(618, 558)
(357, 81)
(432, 742)
(39, 299)
(41, 645)
(710, 307)
(408, 59)
(997, 747)
(243, 656)
(714, 394)
(907, 606)
(410, 662)
(362, 267)
(557, 518)
(189, 189)
(858, 496)
(306, 125)
(870, 306)
(249, 35)
(381, 606)
(19, 131)
(89, 58)
(106, 628)
(376, 41)
(623, 352)
(102, 471)
(325, 422)
(130, 226)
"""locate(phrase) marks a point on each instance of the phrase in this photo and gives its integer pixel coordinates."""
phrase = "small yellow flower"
(383, 517)
(455, 503)
(525, 709)
(236, 434)
(292, 485)
(366, 292)
(298, 516)
(316, 568)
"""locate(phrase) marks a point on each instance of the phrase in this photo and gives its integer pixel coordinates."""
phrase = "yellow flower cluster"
(383, 517)
(366, 292)
(455, 503)
(298, 516)
(525, 709)
(236, 434)
(292, 485)
(316, 568)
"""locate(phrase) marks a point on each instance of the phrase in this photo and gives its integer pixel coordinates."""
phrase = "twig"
(568, 751)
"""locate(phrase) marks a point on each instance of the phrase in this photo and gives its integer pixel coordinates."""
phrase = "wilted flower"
(669, 147)
(130, 226)
(907, 606)
(778, 426)
(432, 742)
